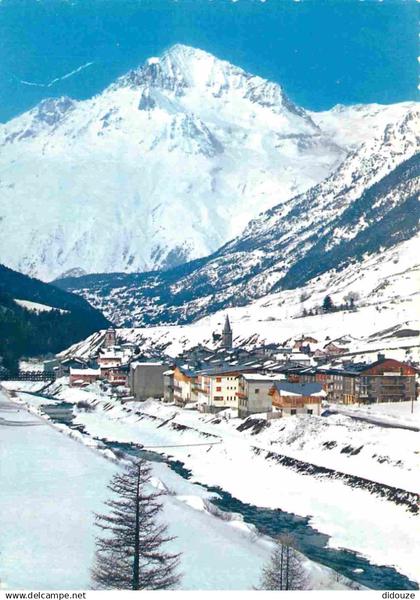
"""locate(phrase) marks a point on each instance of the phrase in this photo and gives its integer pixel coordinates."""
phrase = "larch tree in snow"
(285, 569)
(130, 554)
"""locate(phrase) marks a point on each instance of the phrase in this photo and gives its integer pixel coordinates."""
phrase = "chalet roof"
(75, 359)
(188, 371)
(232, 368)
(298, 389)
(361, 367)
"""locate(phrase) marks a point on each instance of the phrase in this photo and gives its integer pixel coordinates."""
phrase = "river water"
(270, 522)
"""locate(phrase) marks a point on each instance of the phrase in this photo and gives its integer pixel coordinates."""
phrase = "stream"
(272, 522)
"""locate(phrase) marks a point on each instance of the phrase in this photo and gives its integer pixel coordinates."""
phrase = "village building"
(333, 349)
(217, 389)
(253, 393)
(300, 358)
(116, 375)
(71, 363)
(51, 365)
(184, 384)
(146, 379)
(196, 354)
(110, 358)
(385, 380)
(290, 399)
(110, 338)
(81, 377)
(168, 386)
(305, 344)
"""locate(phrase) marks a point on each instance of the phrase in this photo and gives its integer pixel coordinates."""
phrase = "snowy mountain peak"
(165, 165)
(181, 67)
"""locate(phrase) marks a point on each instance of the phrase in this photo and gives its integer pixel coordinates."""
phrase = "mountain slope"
(386, 291)
(369, 203)
(104, 184)
(164, 166)
(37, 318)
(18, 285)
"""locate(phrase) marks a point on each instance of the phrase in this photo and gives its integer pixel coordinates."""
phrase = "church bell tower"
(227, 335)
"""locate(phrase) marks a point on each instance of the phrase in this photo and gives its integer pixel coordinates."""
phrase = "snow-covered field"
(37, 307)
(51, 485)
(398, 414)
(24, 386)
(240, 463)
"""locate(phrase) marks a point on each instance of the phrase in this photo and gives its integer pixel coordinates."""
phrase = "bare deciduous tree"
(130, 554)
(285, 570)
(351, 299)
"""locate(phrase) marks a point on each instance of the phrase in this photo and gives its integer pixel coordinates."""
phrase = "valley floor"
(356, 481)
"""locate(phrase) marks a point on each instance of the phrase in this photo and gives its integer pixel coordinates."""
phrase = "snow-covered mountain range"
(368, 204)
(165, 165)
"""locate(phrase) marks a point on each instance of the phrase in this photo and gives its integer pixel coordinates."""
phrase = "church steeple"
(227, 334)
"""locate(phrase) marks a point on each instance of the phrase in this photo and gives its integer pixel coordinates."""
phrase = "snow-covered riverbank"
(241, 464)
(51, 486)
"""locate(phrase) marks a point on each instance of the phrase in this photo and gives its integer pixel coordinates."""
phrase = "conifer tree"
(285, 569)
(328, 305)
(130, 553)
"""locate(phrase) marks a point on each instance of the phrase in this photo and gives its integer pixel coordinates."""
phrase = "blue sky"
(323, 52)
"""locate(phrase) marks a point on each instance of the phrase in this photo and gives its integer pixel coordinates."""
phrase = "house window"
(218, 389)
(218, 379)
(310, 411)
(257, 390)
(293, 411)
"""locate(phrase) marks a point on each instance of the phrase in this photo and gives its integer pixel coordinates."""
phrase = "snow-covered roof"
(111, 353)
(299, 389)
(299, 356)
(225, 369)
(147, 363)
(85, 372)
(259, 377)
